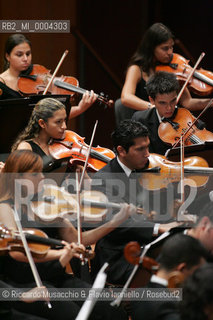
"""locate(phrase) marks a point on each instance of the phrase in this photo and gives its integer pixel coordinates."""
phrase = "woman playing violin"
(24, 164)
(156, 47)
(48, 121)
(18, 57)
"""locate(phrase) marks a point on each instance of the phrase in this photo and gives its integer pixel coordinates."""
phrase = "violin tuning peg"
(103, 98)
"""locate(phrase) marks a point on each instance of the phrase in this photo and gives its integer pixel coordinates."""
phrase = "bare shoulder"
(24, 145)
(6, 216)
(4, 77)
(134, 73)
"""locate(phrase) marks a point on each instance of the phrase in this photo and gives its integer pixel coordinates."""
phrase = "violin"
(170, 171)
(55, 202)
(170, 131)
(148, 266)
(74, 147)
(36, 81)
(38, 242)
(202, 80)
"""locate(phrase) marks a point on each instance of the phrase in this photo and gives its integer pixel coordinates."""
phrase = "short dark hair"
(197, 294)
(161, 82)
(126, 132)
(181, 248)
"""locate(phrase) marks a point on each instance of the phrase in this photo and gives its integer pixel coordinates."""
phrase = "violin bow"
(98, 286)
(78, 208)
(191, 125)
(56, 70)
(182, 196)
(88, 154)
(28, 253)
(78, 187)
(181, 140)
(181, 92)
(189, 76)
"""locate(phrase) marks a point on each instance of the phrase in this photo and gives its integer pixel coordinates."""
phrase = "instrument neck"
(200, 170)
(37, 239)
(102, 205)
(70, 87)
(97, 155)
(203, 78)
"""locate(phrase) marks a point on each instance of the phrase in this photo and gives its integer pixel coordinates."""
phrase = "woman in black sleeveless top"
(156, 47)
(17, 60)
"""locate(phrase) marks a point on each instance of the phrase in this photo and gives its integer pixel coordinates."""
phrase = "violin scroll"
(132, 253)
(102, 98)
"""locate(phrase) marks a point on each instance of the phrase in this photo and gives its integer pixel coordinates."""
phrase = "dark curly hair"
(126, 132)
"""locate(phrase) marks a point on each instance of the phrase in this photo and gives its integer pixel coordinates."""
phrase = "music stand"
(14, 116)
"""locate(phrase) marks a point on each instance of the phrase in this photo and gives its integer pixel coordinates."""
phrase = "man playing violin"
(17, 60)
(119, 181)
(155, 49)
(190, 247)
(162, 89)
(180, 256)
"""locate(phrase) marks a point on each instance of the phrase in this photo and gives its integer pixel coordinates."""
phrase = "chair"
(122, 112)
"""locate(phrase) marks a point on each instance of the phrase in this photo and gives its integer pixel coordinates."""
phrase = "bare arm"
(63, 255)
(92, 236)
(87, 100)
(128, 97)
(192, 104)
(6, 216)
(69, 233)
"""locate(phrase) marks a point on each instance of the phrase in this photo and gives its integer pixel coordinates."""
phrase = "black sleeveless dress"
(8, 93)
(49, 164)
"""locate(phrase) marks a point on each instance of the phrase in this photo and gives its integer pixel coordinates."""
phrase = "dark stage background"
(103, 36)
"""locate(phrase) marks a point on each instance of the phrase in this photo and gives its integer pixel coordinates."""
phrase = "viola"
(36, 81)
(171, 130)
(170, 171)
(74, 147)
(202, 80)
